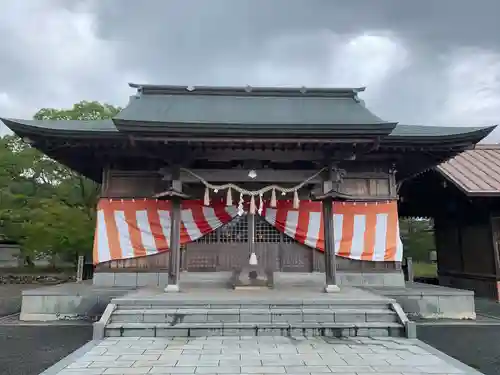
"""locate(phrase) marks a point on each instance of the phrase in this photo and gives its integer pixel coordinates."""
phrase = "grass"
(422, 269)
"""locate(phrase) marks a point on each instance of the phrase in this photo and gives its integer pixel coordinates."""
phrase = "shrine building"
(264, 179)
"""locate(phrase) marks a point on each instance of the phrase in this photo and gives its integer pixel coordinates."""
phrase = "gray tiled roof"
(82, 126)
(94, 127)
(248, 110)
(431, 131)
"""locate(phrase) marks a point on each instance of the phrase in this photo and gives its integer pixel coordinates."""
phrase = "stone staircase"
(253, 314)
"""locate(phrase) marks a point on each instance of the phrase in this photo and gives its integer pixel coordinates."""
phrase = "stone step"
(253, 315)
(258, 304)
(371, 329)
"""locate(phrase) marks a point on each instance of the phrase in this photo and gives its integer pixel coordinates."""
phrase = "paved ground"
(260, 355)
(28, 350)
(13, 290)
(487, 307)
(10, 297)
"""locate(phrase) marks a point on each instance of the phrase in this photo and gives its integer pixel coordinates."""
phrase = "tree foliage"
(44, 206)
(418, 238)
(84, 110)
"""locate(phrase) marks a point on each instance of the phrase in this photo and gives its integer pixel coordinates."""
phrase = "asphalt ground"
(29, 350)
(476, 346)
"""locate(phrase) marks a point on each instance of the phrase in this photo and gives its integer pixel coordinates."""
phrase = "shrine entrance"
(229, 246)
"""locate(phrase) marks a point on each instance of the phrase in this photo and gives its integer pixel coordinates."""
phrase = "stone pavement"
(258, 355)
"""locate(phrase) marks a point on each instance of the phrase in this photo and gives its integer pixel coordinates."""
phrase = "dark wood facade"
(467, 232)
(228, 246)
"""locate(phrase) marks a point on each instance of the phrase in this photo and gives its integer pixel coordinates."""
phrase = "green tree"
(417, 236)
(84, 110)
(44, 206)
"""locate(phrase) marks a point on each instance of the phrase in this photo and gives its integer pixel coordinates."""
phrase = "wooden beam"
(272, 155)
(278, 140)
(265, 175)
(241, 175)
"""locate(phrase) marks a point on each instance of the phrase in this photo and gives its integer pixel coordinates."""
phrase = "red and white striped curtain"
(363, 231)
(128, 229)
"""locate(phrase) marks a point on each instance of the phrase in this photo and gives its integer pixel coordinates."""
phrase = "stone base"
(86, 301)
(172, 288)
(70, 301)
(250, 287)
(251, 276)
(426, 301)
(160, 279)
(332, 289)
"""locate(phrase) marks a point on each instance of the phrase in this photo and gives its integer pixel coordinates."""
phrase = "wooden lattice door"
(220, 250)
(229, 247)
(279, 251)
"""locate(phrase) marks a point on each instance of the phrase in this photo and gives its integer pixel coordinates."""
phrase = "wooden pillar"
(496, 253)
(313, 261)
(329, 235)
(459, 226)
(313, 258)
(329, 253)
(175, 237)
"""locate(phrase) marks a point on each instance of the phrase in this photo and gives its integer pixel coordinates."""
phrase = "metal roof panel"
(476, 172)
(63, 125)
(247, 110)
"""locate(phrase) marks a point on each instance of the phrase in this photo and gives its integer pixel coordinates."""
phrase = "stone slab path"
(258, 355)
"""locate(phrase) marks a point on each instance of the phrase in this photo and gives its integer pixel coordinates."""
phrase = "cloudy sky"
(432, 62)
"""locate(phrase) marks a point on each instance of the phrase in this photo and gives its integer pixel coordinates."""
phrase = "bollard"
(79, 269)
(409, 265)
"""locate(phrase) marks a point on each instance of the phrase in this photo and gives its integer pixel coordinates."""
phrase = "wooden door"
(266, 243)
(228, 247)
(495, 229)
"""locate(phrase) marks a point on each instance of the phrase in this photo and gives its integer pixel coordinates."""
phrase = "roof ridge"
(149, 89)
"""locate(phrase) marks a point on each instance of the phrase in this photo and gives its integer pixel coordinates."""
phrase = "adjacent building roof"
(476, 172)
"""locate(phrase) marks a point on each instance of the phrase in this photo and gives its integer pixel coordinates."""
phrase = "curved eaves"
(437, 135)
(62, 128)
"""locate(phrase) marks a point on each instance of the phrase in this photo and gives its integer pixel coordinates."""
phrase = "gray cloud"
(425, 62)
